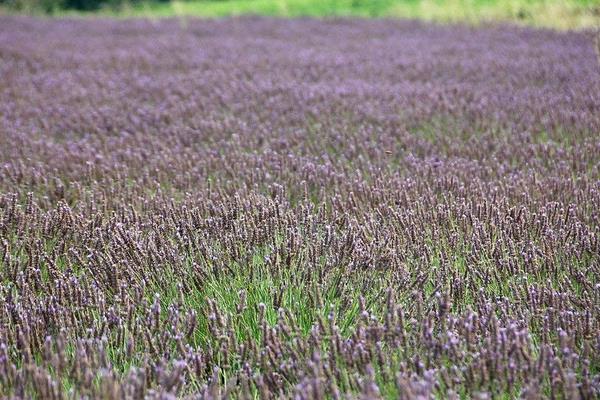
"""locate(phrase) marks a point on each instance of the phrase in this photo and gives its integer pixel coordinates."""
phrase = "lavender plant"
(258, 208)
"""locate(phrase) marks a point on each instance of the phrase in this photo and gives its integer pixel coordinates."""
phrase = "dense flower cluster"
(300, 209)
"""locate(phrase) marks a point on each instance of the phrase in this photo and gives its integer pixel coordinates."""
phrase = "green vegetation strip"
(560, 14)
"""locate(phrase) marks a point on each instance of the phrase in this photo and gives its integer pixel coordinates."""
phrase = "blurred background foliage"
(562, 14)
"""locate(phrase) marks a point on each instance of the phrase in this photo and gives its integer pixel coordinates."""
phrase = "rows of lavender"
(258, 208)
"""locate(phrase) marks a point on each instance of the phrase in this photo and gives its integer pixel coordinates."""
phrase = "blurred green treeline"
(57, 6)
(561, 14)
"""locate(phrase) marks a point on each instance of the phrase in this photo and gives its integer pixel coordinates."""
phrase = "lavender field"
(309, 209)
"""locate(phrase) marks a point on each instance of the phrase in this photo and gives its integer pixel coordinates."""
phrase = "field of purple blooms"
(310, 209)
